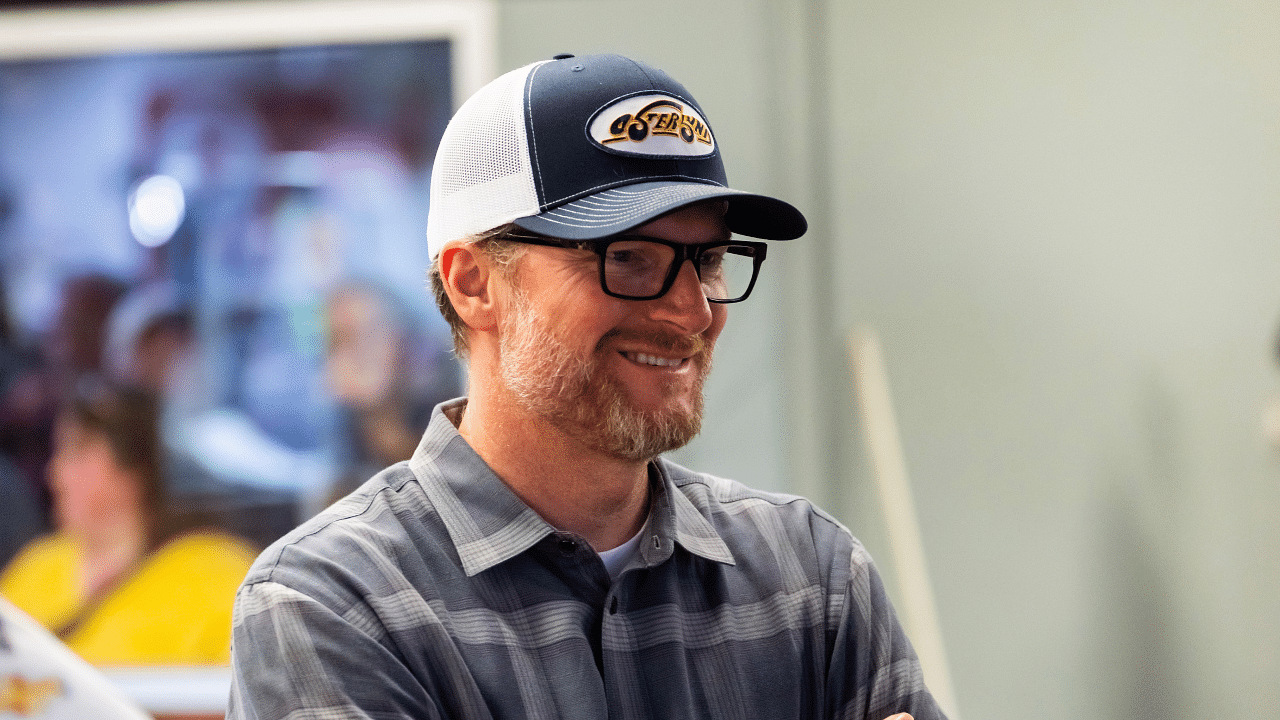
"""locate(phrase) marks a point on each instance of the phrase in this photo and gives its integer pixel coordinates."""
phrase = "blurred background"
(200, 224)
(1061, 218)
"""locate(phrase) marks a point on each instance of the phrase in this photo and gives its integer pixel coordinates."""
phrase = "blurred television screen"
(242, 231)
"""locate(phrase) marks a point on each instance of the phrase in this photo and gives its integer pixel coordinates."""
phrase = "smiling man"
(537, 557)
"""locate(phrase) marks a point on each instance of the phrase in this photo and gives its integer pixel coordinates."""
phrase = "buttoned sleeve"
(296, 657)
(874, 672)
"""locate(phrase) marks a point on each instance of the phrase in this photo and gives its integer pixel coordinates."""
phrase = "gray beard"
(576, 395)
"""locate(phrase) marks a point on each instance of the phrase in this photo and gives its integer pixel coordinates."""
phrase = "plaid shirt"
(434, 592)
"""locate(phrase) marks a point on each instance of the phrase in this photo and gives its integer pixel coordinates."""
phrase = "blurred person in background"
(35, 374)
(153, 343)
(384, 376)
(79, 335)
(150, 337)
(122, 581)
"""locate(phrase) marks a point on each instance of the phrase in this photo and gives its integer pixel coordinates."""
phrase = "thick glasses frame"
(683, 252)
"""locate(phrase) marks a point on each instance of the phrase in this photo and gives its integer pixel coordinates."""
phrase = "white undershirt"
(616, 559)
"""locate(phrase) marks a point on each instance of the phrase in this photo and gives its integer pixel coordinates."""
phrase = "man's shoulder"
(384, 515)
(713, 496)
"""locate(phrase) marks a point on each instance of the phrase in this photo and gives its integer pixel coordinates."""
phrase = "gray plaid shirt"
(434, 592)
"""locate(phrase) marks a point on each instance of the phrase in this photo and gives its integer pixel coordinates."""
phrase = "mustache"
(675, 343)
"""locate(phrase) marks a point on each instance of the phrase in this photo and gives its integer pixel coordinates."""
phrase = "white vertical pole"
(920, 614)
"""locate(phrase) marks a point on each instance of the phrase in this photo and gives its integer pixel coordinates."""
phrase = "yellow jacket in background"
(175, 609)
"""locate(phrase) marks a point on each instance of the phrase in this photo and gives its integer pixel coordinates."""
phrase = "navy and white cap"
(583, 148)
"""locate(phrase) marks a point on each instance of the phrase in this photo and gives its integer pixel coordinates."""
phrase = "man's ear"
(467, 273)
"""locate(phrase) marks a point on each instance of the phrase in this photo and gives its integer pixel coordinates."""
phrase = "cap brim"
(619, 209)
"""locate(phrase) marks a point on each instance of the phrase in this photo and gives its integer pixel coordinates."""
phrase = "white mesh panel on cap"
(481, 178)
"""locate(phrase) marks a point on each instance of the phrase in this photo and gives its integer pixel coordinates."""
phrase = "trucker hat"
(581, 148)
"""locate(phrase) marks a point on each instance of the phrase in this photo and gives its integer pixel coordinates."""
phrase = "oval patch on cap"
(652, 125)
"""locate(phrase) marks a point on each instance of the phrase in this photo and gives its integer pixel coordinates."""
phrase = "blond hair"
(503, 253)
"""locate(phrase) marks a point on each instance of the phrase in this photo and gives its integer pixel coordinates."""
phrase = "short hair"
(502, 252)
(128, 417)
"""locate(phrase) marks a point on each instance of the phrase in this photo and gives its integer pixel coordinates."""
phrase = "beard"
(576, 393)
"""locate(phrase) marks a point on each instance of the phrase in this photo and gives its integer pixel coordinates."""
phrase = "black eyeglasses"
(634, 267)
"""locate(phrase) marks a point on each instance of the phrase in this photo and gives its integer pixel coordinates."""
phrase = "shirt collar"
(489, 524)
(486, 521)
(674, 518)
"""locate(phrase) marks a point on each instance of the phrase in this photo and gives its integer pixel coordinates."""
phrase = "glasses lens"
(635, 268)
(638, 268)
(727, 271)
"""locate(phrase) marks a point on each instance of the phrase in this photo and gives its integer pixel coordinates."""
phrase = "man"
(537, 558)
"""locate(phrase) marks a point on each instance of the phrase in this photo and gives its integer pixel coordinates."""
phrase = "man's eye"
(713, 259)
(635, 256)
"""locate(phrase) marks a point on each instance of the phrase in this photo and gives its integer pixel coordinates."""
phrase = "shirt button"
(567, 546)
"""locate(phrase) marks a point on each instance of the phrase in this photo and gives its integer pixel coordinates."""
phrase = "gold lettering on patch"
(661, 117)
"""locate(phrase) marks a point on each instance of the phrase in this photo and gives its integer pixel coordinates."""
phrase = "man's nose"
(685, 305)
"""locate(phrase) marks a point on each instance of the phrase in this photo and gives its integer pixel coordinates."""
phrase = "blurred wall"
(1063, 219)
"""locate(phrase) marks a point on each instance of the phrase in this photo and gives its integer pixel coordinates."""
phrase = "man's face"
(623, 376)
